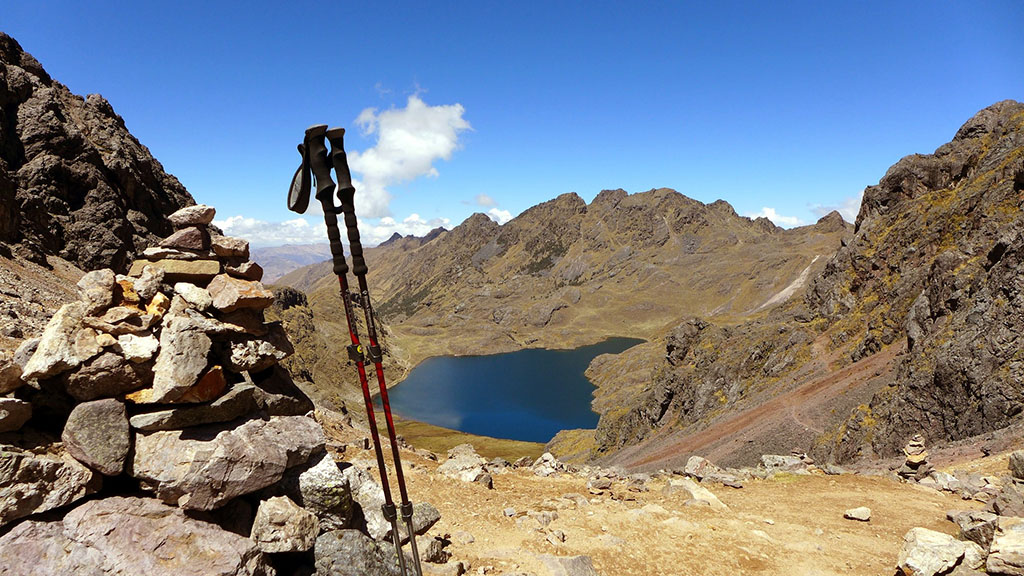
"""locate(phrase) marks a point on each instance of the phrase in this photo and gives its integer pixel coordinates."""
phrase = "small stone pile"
(159, 394)
(916, 465)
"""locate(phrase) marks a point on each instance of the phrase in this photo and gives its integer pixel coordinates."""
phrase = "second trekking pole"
(346, 196)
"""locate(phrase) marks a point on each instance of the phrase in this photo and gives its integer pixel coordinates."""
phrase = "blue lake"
(527, 395)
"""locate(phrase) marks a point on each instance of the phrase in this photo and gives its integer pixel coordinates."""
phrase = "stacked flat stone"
(169, 376)
(916, 465)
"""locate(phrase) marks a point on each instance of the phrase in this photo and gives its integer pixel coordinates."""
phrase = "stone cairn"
(150, 430)
(916, 465)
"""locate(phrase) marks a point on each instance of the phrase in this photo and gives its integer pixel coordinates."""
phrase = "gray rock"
(239, 401)
(484, 479)
(227, 247)
(1009, 501)
(424, 515)
(130, 537)
(231, 294)
(136, 348)
(97, 435)
(1017, 464)
(154, 253)
(96, 290)
(24, 352)
(56, 351)
(568, 565)
(463, 464)
(774, 463)
(198, 298)
(14, 414)
(252, 354)
(197, 215)
(108, 375)
(927, 552)
(699, 467)
(204, 468)
(1006, 555)
(352, 553)
(148, 284)
(976, 526)
(432, 550)
(547, 465)
(282, 526)
(183, 357)
(369, 495)
(862, 514)
(320, 487)
(31, 483)
(189, 238)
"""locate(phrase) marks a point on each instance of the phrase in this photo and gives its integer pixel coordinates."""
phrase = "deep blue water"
(526, 395)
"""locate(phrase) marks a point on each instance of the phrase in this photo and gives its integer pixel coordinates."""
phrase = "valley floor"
(788, 524)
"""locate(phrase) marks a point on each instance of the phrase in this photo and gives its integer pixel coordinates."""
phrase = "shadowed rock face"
(73, 181)
(938, 248)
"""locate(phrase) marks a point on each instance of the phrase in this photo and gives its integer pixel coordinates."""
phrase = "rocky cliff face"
(936, 262)
(73, 181)
(913, 326)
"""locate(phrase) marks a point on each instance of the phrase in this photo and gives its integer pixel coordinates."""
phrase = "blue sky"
(787, 109)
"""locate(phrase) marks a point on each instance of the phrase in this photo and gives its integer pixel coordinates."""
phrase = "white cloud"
(498, 215)
(775, 217)
(261, 233)
(372, 231)
(409, 141)
(848, 209)
(484, 200)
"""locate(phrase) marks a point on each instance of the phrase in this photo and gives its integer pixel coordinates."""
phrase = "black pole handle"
(346, 196)
(317, 154)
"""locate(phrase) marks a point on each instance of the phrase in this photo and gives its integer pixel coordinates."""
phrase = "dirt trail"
(798, 416)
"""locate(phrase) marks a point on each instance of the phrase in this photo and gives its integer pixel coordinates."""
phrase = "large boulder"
(97, 435)
(927, 553)
(352, 553)
(463, 463)
(32, 483)
(369, 495)
(120, 536)
(204, 468)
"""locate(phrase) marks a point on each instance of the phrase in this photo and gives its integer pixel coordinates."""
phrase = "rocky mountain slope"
(912, 327)
(280, 260)
(565, 273)
(74, 182)
(77, 192)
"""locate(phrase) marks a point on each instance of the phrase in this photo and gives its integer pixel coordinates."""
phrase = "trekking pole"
(314, 156)
(346, 195)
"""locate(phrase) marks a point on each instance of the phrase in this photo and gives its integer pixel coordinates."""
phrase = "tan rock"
(230, 294)
(198, 272)
(247, 270)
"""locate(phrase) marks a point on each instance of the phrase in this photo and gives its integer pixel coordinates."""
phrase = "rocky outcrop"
(73, 181)
(129, 536)
(936, 262)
